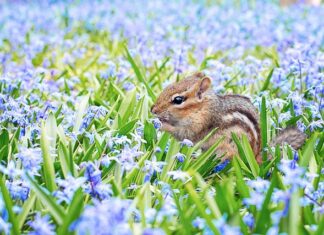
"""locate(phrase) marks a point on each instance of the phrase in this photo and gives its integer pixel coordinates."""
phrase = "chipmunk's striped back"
(234, 114)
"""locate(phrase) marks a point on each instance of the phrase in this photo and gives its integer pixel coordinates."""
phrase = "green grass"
(127, 111)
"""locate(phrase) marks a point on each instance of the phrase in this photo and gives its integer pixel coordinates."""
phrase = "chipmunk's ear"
(199, 74)
(204, 85)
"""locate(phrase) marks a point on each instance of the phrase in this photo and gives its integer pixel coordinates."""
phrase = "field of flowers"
(80, 152)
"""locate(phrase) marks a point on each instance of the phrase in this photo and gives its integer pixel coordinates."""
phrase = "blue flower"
(199, 223)
(31, 159)
(293, 174)
(259, 185)
(93, 112)
(248, 219)
(5, 226)
(67, 188)
(41, 226)
(157, 123)
(153, 231)
(108, 217)
(187, 142)
(180, 157)
(179, 175)
(92, 172)
(127, 157)
(95, 187)
(102, 191)
(153, 166)
(11, 171)
(223, 228)
(221, 166)
(255, 199)
(18, 189)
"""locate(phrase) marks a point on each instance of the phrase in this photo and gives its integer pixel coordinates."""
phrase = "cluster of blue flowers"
(52, 59)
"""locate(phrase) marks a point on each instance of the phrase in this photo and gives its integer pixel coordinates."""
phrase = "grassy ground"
(80, 152)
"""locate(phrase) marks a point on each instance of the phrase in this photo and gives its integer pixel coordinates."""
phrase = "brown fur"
(203, 110)
(292, 136)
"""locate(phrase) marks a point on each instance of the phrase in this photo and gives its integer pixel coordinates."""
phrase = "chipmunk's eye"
(178, 100)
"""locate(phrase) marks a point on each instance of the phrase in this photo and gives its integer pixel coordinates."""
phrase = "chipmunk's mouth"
(163, 120)
(167, 121)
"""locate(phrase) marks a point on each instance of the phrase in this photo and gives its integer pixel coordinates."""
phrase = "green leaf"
(200, 207)
(264, 128)
(73, 212)
(125, 109)
(202, 160)
(163, 142)
(246, 153)
(294, 214)
(47, 142)
(307, 152)
(88, 154)
(185, 222)
(250, 156)
(48, 201)
(133, 174)
(9, 205)
(263, 217)
(267, 81)
(240, 184)
(81, 108)
(64, 159)
(4, 144)
(212, 204)
(28, 205)
(170, 160)
(128, 127)
(139, 75)
(320, 229)
(149, 133)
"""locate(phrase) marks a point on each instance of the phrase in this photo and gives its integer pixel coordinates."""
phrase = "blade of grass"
(9, 206)
(170, 160)
(185, 222)
(250, 156)
(200, 207)
(264, 128)
(294, 214)
(125, 109)
(81, 108)
(28, 205)
(48, 166)
(263, 217)
(267, 81)
(307, 152)
(73, 212)
(212, 205)
(320, 229)
(139, 75)
(203, 158)
(55, 210)
(240, 184)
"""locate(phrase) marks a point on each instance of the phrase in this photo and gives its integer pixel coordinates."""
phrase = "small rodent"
(190, 109)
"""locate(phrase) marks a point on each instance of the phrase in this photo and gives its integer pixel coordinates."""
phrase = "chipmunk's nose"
(154, 109)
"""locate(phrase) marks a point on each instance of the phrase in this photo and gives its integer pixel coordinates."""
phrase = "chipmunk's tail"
(292, 136)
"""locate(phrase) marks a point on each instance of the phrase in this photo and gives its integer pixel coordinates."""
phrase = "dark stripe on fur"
(255, 123)
(238, 122)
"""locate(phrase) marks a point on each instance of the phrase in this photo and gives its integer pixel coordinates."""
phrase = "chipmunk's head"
(181, 106)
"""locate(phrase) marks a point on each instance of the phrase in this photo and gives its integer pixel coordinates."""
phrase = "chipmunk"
(190, 109)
